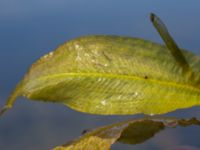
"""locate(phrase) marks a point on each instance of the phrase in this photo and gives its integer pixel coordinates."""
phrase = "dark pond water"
(29, 29)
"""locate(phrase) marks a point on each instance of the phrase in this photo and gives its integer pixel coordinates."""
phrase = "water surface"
(29, 29)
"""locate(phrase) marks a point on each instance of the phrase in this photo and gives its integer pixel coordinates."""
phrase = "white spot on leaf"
(45, 56)
(86, 55)
(103, 102)
(136, 94)
(100, 79)
(48, 55)
(76, 46)
(51, 54)
(151, 114)
(119, 97)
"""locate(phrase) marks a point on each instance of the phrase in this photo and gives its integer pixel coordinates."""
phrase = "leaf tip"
(152, 17)
(4, 109)
(12, 98)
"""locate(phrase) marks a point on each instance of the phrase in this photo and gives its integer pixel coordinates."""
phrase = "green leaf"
(171, 44)
(113, 75)
(129, 132)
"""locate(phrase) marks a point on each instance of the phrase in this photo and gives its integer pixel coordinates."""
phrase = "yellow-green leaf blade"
(114, 94)
(113, 75)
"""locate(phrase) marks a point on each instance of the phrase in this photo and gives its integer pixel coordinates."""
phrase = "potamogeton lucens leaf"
(115, 75)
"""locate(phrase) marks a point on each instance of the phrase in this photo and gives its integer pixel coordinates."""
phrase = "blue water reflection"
(29, 29)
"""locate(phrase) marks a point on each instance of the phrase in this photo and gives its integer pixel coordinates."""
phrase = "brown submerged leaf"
(129, 132)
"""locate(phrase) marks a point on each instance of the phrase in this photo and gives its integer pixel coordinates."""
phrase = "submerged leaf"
(113, 75)
(130, 132)
(145, 130)
(170, 43)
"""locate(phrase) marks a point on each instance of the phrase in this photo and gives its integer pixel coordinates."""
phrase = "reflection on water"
(29, 30)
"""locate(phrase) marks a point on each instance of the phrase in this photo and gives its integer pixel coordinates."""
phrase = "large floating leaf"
(130, 132)
(114, 75)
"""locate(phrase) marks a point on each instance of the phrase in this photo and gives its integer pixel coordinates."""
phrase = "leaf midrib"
(119, 76)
